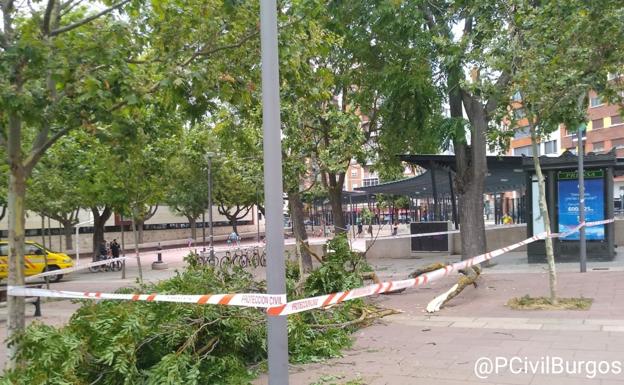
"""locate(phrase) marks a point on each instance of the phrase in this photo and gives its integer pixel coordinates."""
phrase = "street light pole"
(204, 230)
(277, 332)
(258, 215)
(209, 155)
(581, 187)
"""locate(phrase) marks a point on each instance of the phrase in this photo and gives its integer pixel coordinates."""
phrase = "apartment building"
(605, 130)
(362, 175)
(521, 142)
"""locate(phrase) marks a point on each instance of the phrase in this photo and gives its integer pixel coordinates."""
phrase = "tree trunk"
(543, 205)
(68, 226)
(470, 174)
(99, 220)
(140, 225)
(16, 218)
(471, 211)
(136, 243)
(193, 223)
(297, 217)
(335, 200)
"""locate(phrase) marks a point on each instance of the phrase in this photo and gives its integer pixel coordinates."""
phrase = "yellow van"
(34, 262)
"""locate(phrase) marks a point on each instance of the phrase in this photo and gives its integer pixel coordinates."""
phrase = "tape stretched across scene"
(239, 299)
(276, 304)
(323, 301)
(74, 268)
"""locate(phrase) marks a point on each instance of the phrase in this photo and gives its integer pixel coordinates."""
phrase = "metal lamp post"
(209, 156)
(581, 186)
(277, 328)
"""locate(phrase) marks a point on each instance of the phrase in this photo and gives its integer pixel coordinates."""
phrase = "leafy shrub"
(156, 343)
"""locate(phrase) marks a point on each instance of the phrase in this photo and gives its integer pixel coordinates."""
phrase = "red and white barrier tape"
(276, 304)
(247, 299)
(444, 232)
(322, 301)
(74, 268)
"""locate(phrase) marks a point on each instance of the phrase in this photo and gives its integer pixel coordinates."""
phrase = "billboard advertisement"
(569, 204)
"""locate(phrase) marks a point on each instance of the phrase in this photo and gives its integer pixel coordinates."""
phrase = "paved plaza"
(415, 348)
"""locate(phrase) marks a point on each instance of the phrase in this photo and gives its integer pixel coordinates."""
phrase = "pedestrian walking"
(233, 237)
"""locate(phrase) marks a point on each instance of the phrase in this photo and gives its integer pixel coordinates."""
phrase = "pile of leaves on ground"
(111, 342)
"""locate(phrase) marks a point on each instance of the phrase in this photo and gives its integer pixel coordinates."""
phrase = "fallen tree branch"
(427, 269)
(373, 277)
(469, 278)
(365, 316)
(307, 248)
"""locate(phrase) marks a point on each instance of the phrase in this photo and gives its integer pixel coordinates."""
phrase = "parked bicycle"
(239, 257)
(110, 266)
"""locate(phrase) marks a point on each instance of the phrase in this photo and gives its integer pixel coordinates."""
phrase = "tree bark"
(140, 222)
(193, 222)
(16, 218)
(136, 243)
(543, 205)
(67, 230)
(469, 179)
(474, 169)
(335, 200)
(99, 220)
(301, 236)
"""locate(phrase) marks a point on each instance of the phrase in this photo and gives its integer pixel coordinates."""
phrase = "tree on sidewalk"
(53, 190)
(187, 187)
(554, 81)
(480, 47)
(67, 66)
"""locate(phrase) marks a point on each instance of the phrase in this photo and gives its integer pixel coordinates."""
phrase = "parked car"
(34, 260)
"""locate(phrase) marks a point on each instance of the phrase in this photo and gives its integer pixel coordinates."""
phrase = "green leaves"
(555, 78)
(123, 342)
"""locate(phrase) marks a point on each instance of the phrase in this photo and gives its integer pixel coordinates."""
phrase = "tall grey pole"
(123, 248)
(277, 337)
(258, 215)
(581, 184)
(210, 204)
(203, 231)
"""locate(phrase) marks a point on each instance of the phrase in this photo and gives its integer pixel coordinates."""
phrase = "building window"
(525, 150)
(371, 182)
(597, 123)
(517, 97)
(353, 172)
(519, 113)
(550, 147)
(598, 146)
(618, 143)
(616, 119)
(522, 132)
(595, 101)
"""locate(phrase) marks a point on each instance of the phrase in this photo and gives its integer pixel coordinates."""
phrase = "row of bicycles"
(250, 257)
